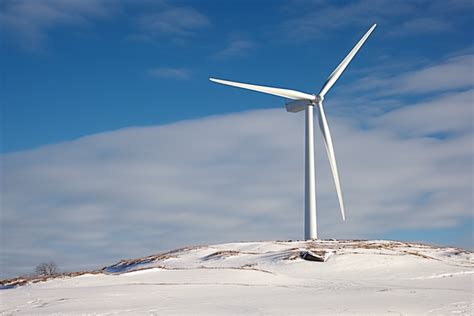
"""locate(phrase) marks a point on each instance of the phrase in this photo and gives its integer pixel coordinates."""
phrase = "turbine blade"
(323, 125)
(285, 93)
(342, 66)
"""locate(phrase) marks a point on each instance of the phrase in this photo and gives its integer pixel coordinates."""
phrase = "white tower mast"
(310, 227)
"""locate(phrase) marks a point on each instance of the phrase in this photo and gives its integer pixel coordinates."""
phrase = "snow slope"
(269, 278)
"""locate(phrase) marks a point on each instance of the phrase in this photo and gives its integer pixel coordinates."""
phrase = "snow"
(269, 278)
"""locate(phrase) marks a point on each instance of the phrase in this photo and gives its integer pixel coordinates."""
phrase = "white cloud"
(452, 74)
(137, 191)
(170, 73)
(449, 113)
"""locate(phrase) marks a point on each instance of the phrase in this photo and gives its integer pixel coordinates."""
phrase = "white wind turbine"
(304, 101)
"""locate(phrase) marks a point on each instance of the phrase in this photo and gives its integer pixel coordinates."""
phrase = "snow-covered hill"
(336, 277)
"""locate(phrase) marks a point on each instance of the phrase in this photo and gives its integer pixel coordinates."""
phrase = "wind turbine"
(304, 101)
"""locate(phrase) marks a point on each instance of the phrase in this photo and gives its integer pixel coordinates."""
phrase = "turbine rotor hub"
(319, 98)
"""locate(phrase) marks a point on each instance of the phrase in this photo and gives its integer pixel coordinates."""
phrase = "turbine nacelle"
(295, 106)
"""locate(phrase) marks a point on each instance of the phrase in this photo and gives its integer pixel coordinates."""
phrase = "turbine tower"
(307, 102)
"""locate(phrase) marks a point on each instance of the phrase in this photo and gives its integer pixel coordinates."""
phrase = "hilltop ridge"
(273, 277)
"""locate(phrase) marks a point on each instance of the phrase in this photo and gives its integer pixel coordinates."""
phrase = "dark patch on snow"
(28, 279)
(221, 254)
(128, 265)
(319, 256)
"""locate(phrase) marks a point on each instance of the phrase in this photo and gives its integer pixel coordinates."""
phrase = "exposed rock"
(319, 256)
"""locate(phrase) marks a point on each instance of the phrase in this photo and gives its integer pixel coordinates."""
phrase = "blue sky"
(76, 68)
(91, 91)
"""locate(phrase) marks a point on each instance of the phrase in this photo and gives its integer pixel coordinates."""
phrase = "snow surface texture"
(269, 278)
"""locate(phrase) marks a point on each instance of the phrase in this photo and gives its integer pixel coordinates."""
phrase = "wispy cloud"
(316, 19)
(310, 20)
(183, 21)
(235, 48)
(170, 73)
(421, 25)
(445, 114)
(29, 22)
(452, 73)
